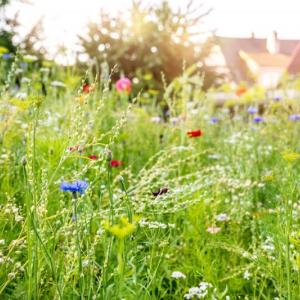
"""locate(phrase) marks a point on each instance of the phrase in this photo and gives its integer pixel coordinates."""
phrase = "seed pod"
(160, 191)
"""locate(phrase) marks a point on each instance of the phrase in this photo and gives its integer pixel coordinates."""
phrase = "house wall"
(269, 77)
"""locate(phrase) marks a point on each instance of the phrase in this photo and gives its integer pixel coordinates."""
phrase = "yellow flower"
(136, 218)
(121, 230)
(298, 260)
(3, 50)
(21, 104)
(268, 177)
(290, 156)
(81, 99)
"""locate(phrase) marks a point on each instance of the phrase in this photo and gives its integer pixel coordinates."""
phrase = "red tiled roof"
(232, 46)
(294, 64)
(277, 60)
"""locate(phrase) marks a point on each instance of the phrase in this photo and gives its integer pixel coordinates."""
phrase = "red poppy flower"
(115, 163)
(93, 157)
(86, 88)
(194, 133)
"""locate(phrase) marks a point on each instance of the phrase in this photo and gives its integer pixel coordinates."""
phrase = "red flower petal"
(86, 88)
(93, 157)
(115, 163)
(194, 133)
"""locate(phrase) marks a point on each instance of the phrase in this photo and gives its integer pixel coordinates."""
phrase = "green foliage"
(7, 29)
(218, 212)
(4, 2)
(6, 40)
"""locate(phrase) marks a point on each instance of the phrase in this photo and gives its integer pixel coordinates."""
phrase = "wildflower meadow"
(105, 194)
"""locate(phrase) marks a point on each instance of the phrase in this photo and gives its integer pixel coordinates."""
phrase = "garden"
(114, 186)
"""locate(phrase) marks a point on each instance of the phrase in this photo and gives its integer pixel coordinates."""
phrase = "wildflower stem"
(111, 218)
(106, 263)
(287, 246)
(50, 260)
(120, 256)
(287, 241)
(75, 219)
(31, 224)
(35, 218)
(128, 204)
(29, 240)
(111, 200)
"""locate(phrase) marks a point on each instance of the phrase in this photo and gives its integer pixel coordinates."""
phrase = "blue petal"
(78, 186)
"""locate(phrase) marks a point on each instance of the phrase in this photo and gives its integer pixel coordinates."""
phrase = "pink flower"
(124, 85)
(213, 229)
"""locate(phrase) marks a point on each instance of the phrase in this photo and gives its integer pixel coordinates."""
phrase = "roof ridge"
(254, 38)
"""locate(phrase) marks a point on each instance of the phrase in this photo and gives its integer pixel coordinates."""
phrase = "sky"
(65, 19)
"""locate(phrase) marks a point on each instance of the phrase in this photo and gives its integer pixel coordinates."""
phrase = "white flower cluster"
(57, 84)
(156, 119)
(178, 275)
(200, 291)
(296, 210)
(26, 80)
(269, 248)
(21, 95)
(13, 210)
(222, 217)
(30, 58)
(155, 224)
(50, 119)
(247, 275)
(214, 156)
(268, 245)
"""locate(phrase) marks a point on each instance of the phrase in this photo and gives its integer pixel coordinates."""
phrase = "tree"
(31, 43)
(10, 39)
(149, 41)
(7, 29)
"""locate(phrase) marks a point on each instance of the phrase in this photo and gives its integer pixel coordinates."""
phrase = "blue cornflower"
(277, 98)
(6, 56)
(252, 110)
(294, 117)
(214, 120)
(78, 186)
(258, 119)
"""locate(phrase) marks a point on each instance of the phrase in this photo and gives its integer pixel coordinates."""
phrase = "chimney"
(273, 43)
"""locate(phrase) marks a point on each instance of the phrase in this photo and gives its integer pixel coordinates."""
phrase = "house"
(260, 60)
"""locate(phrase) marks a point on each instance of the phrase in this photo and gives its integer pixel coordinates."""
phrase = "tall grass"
(221, 209)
